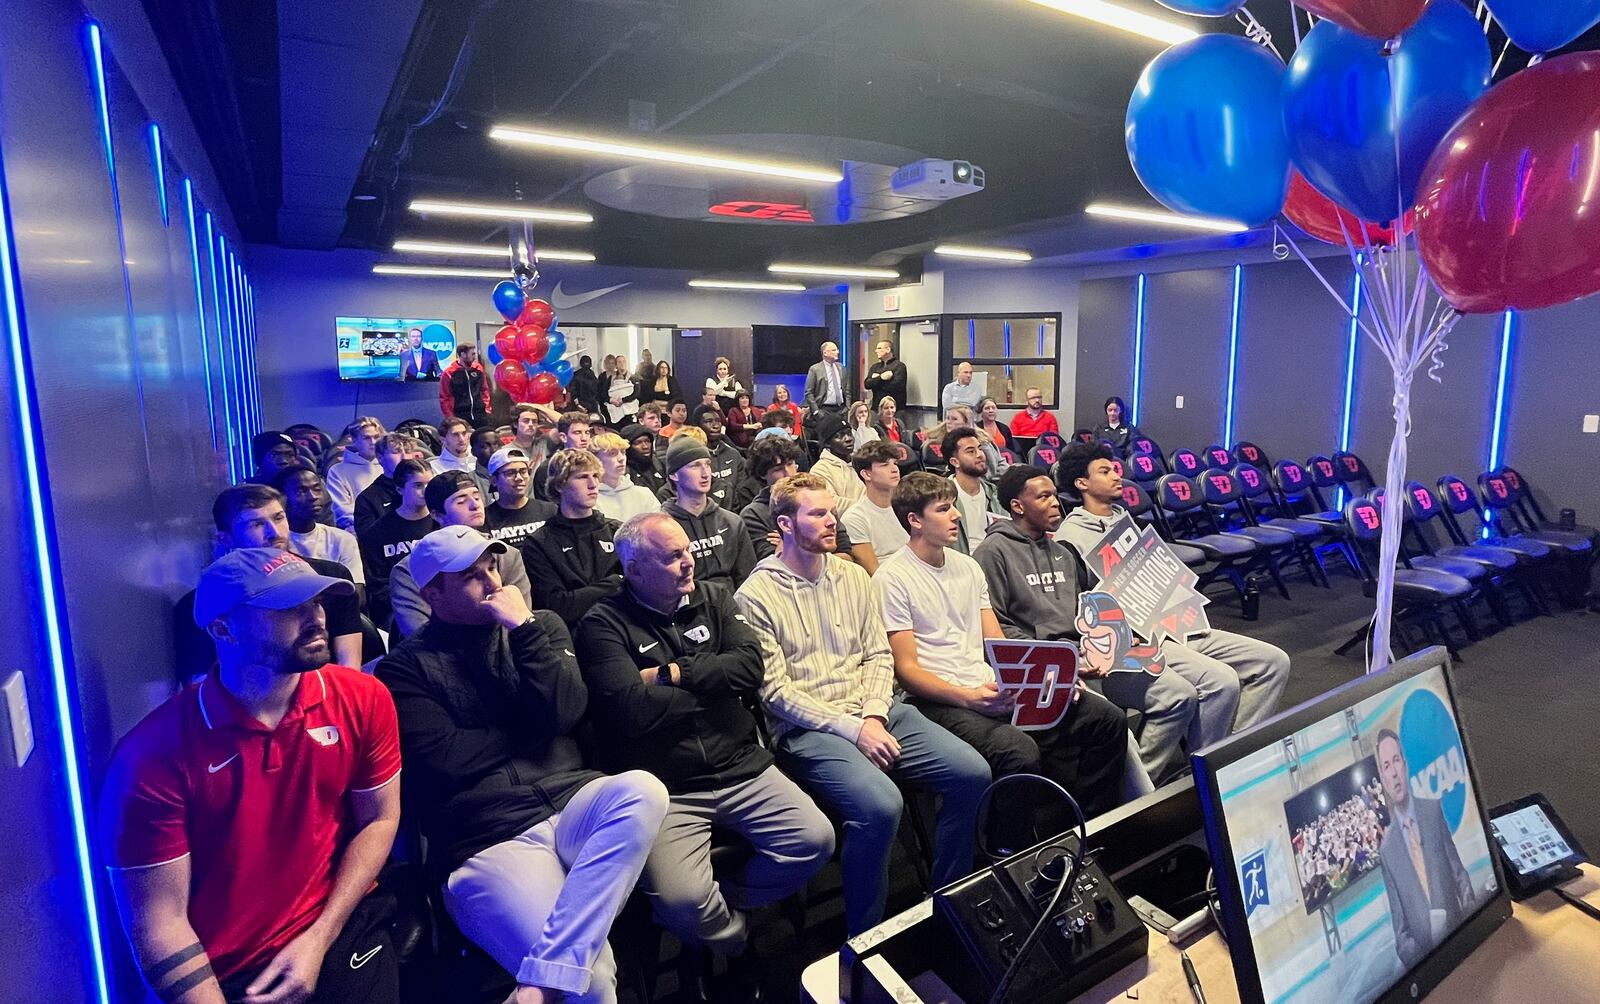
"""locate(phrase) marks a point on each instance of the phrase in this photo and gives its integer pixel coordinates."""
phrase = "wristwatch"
(664, 675)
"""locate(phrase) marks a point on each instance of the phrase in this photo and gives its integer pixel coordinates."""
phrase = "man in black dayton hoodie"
(717, 537)
(572, 559)
(669, 662)
(536, 852)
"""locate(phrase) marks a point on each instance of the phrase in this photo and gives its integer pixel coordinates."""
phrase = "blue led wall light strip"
(200, 306)
(51, 600)
(161, 171)
(1351, 340)
(1138, 347)
(222, 351)
(1233, 355)
(1497, 434)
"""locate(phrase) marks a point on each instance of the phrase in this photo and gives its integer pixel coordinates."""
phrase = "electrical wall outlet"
(1591, 423)
(1180, 401)
(19, 723)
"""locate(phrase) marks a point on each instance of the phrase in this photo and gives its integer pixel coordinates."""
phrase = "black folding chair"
(1246, 452)
(1419, 594)
(1506, 569)
(1216, 458)
(1257, 505)
(1181, 511)
(1185, 463)
(1144, 468)
(1224, 507)
(1573, 551)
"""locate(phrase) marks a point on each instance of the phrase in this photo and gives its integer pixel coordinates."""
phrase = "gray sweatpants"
(542, 902)
(1212, 685)
(790, 839)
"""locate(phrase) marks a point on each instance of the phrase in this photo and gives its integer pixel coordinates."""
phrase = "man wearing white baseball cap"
(540, 851)
(514, 514)
(246, 819)
(455, 501)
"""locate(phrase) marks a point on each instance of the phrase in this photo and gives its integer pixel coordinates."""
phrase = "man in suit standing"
(888, 377)
(825, 390)
(1429, 891)
(420, 362)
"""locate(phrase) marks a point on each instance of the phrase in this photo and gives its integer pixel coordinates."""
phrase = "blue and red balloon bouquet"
(528, 353)
(1383, 113)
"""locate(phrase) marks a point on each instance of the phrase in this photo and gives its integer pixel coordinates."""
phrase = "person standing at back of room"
(888, 377)
(464, 388)
(826, 393)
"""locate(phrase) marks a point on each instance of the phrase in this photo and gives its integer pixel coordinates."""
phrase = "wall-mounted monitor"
(394, 348)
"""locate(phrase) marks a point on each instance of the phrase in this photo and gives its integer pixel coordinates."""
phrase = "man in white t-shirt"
(937, 614)
(871, 522)
(307, 507)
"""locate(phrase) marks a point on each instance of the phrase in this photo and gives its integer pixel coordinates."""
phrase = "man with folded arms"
(245, 820)
(537, 852)
(829, 694)
(669, 662)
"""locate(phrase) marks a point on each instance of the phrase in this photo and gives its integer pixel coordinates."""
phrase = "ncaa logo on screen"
(1432, 746)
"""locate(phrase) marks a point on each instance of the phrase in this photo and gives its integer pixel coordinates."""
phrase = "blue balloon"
(558, 346)
(493, 354)
(1543, 25)
(1344, 119)
(509, 299)
(1204, 132)
(562, 370)
(1203, 8)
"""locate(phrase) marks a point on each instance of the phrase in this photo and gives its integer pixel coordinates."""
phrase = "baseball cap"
(262, 443)
(444, 485)
(507, 455)
(262, 577)
(684, 450)
(452, 549)
(772, 431)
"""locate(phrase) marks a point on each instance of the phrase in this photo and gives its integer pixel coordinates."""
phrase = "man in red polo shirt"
(245, 820)
(1033, 421)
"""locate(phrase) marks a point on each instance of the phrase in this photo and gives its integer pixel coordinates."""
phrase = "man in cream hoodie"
(1237, 680)
(829, 694)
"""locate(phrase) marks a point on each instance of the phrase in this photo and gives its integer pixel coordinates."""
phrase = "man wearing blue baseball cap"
(246, 819)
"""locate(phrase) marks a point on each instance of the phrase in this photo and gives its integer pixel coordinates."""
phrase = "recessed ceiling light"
(1132, 21)
(631, 150)
(968, 251)
(442, 271)
(485, 251)
(497, 211)
(1137, 215)
(845, 271)
(770, 287)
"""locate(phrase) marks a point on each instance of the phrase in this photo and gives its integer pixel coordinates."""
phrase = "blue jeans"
(835, 771)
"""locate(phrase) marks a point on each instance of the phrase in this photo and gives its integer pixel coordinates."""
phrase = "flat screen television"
(1350, 844)
(396, 349)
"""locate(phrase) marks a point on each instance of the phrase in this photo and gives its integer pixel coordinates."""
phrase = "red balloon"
(1382, 19)
(532, 344)
(506, 341)
(512, 376)
(1322, 218)
(544, 388)
(536, 314)
(1503, 211)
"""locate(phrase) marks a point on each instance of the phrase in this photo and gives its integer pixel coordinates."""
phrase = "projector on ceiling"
(937, 180)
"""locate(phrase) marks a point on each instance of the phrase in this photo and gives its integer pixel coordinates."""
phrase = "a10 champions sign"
(1151, 583)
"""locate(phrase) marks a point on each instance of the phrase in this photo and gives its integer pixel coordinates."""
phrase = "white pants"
(542, 902)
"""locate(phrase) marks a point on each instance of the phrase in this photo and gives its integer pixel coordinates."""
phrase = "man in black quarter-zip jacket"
(572, 558)
(670, 663)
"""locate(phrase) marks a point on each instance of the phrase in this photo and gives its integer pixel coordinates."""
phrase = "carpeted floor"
(1529, 701)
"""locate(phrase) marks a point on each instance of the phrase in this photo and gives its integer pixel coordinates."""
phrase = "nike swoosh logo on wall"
(561, 301)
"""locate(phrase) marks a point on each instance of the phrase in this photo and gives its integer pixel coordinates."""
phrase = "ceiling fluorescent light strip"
(842, 271)
(497, 211)
(1131, 21)
(663, 154)
(485, 251)
(969, 251)
(769, 287)
(442, 271)
(1136, 215)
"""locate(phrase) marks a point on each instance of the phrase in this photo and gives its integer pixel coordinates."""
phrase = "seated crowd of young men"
(606, 646)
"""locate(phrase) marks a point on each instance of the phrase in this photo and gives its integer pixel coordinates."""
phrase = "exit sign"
(891, 301)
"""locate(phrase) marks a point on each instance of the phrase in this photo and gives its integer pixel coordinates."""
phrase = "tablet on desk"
(1535, 846)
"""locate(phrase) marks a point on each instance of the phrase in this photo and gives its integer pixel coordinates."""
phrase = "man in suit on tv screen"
(418, 362)
(1429, 891)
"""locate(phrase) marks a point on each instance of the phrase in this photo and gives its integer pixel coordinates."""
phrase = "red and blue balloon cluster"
(528, 353)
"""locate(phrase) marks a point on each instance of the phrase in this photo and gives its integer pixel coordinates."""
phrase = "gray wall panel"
(1105, 346)
(1555, 382)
